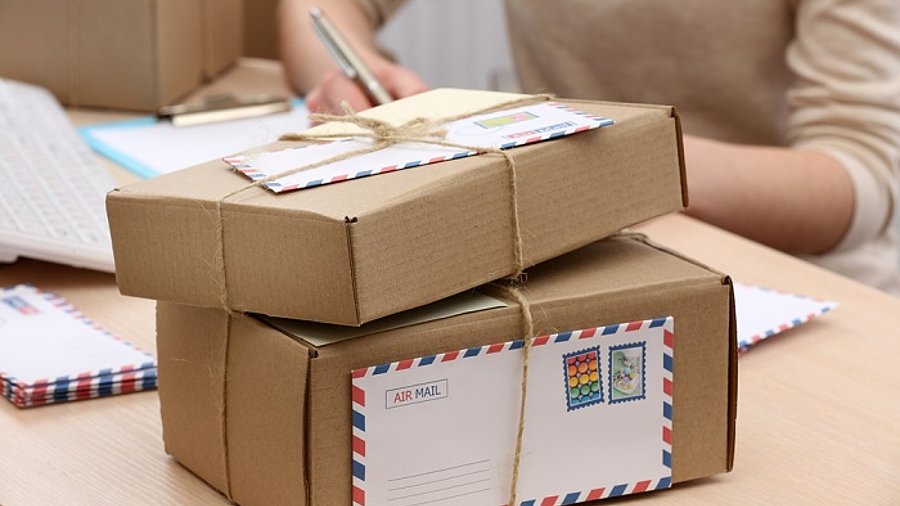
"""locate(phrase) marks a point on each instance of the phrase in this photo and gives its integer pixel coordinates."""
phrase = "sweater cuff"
(873, 199)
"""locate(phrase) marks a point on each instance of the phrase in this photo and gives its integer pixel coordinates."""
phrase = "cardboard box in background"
(356, 251)
(261, 28)
(223, 25)
(287, 404)
(126, 54)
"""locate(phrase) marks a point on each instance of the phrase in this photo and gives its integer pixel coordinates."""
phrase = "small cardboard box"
(359, 250)
(132, 54)
(266, 416)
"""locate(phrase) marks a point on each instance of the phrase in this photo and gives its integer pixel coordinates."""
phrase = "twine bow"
(381, 132)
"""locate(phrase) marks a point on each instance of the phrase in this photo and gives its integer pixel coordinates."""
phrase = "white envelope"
(441, 429)
(502, 129)
(762, 312)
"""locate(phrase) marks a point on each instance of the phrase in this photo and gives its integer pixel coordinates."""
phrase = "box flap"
(323, 334)
(191, 388)
(227, 380)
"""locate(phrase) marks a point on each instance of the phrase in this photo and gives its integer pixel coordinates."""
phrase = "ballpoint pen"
(347, 59)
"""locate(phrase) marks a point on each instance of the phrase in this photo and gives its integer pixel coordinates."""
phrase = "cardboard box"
(223, 31)
(132, 54)
(284, 405)
(356, 251)
(261, 28)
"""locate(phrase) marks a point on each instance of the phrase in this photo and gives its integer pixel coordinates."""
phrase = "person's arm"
(310, 69)
(793, 200)
(836, 185)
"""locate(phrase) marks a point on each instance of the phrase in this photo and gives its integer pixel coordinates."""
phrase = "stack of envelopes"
(51, 353)
(327, 337)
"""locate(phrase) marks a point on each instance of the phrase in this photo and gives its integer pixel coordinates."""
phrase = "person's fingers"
(334, 89)
(399, 81)
(402, 82)
(314, 99)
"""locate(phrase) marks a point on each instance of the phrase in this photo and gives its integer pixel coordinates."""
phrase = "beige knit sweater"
(817, 74)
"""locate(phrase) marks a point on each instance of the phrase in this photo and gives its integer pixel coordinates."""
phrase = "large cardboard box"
(356, 251)
(261, 28)
(119, 54)
(266, 417)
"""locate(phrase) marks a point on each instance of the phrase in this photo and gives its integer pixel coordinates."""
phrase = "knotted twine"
(514, 291)
(382, 135)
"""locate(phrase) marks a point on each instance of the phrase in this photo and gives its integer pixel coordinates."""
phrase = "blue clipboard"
(103, 138)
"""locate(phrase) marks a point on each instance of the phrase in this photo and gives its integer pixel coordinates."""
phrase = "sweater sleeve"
(845, 100)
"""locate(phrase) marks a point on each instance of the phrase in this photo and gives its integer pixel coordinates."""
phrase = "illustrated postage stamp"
(626, 372)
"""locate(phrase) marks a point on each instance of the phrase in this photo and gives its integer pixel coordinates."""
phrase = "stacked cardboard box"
(353, 252)
(159, 50)
(269, 411)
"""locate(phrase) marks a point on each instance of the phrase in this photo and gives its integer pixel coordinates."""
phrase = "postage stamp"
(582, 376)
(626, 372)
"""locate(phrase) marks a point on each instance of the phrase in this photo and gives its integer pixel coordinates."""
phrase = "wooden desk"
(818, 414)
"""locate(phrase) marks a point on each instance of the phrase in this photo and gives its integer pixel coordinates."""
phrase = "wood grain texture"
(818, 407)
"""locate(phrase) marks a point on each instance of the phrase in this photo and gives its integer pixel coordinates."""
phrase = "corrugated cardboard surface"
(223, 35)
(179, 49)
(40, 33)
(287, 415)
(352, 252)
(261, 28)
(126, 54)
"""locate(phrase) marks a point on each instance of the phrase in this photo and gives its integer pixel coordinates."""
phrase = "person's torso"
(721, 63)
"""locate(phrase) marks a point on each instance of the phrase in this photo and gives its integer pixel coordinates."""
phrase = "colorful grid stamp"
(626, 372)
(582, 375)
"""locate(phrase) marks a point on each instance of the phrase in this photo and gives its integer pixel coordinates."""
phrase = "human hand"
(335, 87)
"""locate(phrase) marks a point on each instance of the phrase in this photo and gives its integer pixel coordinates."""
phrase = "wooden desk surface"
(818, 408)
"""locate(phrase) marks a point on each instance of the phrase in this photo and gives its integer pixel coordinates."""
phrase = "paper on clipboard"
(149, 147)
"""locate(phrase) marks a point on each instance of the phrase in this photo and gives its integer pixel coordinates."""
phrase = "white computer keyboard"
(52, 188)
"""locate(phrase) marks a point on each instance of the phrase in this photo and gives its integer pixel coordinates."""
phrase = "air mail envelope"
(501, 130)
(441, 429)
(763, 312)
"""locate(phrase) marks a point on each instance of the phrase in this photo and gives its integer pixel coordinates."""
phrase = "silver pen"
(346, 58)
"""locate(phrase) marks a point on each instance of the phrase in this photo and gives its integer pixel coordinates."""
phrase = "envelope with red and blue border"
(442, 429)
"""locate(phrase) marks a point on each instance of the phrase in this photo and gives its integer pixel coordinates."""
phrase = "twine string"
(382, 135)
(514, 291)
